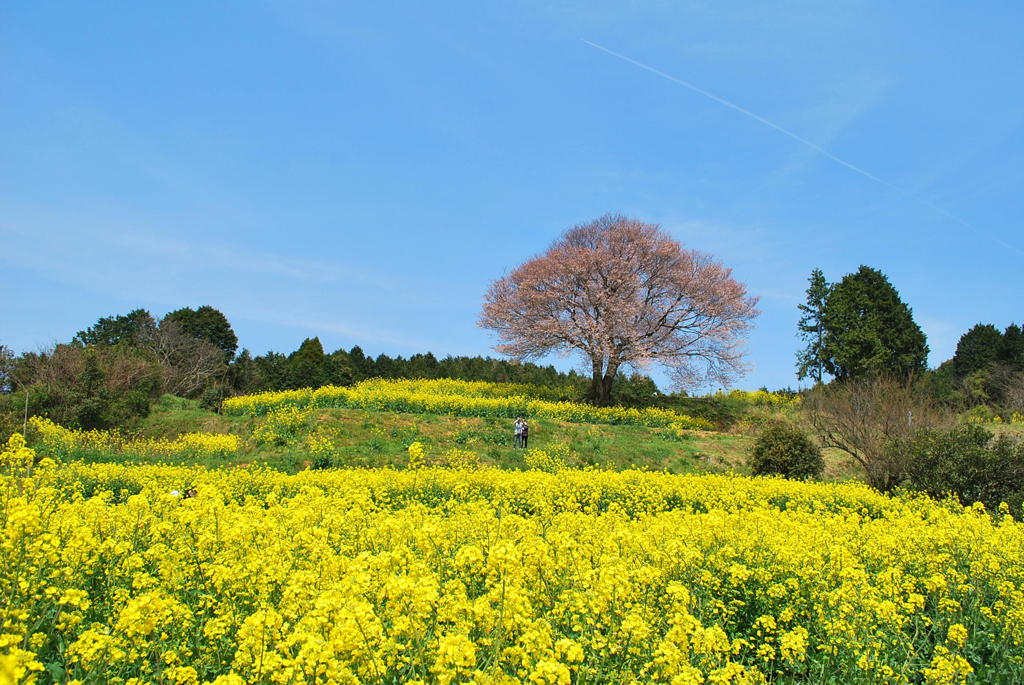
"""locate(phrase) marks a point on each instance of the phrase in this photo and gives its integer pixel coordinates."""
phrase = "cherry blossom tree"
(620, 293)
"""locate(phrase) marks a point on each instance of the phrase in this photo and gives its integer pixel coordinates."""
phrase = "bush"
(982, 413)
(785, 450)
(212, 397)
(865, 416)
(966, 461)
(321, 462)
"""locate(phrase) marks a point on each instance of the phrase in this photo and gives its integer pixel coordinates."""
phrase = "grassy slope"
(365, 438)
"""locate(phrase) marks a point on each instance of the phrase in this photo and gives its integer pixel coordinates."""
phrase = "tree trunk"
(601, 383)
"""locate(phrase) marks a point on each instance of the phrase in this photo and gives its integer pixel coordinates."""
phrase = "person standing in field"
(525, 436)
(518, 432)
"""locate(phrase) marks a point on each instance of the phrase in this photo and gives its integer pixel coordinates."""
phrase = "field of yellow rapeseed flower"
(64, 443)
(437, 575)
(760, 398)
(457, 398)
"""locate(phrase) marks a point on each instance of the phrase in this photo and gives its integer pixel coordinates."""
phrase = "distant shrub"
(716, 411)
(321, 462)
(212, 397)
(967, 461)
(762, 398)
(785, 450)
(981, 414)
(756, 419)
(168, 402)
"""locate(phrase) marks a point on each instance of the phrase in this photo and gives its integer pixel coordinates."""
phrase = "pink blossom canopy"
(622, 292)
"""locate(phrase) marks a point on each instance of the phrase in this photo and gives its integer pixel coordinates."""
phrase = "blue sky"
(362, 171)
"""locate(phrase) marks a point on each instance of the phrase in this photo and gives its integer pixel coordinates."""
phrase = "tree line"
(109, 374)
(860, 327)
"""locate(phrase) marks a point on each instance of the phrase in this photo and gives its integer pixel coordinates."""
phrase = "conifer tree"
(306, 367)
(811, 359)
(362, 366)
(869, 329)
(1012, 352)
(977, 349)
(93, 401)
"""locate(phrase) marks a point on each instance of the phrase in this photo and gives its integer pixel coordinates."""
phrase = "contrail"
(817, 148)
(755, 117)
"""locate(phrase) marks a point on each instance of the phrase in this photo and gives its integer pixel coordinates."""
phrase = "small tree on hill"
(189, 363)
(1012, 352)
(811, 360)
(621, 292)
(968, 461)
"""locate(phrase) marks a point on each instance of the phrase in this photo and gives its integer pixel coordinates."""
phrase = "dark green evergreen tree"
(978, 349)
(810, 361)
(869, 329)
(93, 403)
(635, 390)
(422, 366)
(207, 323)
(113, 330)
(243, 374)
(339, 370)
(272, 370)
(362, 366)
(1012, 352)
(384, 366)
(306, 366)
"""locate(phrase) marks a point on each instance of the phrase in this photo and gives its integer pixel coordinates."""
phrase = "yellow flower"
(947, 669)
(15, 454)
(416, 455)
(957, 635)
(456, 575)
(550, 673)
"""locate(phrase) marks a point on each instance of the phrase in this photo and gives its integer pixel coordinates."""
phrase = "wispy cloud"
(746, 112)
(800, 139)
(98, 253)
(147, 267)
(825, 120)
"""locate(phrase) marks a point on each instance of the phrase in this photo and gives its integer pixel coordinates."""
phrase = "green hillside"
(331, 437)
(367, 438)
